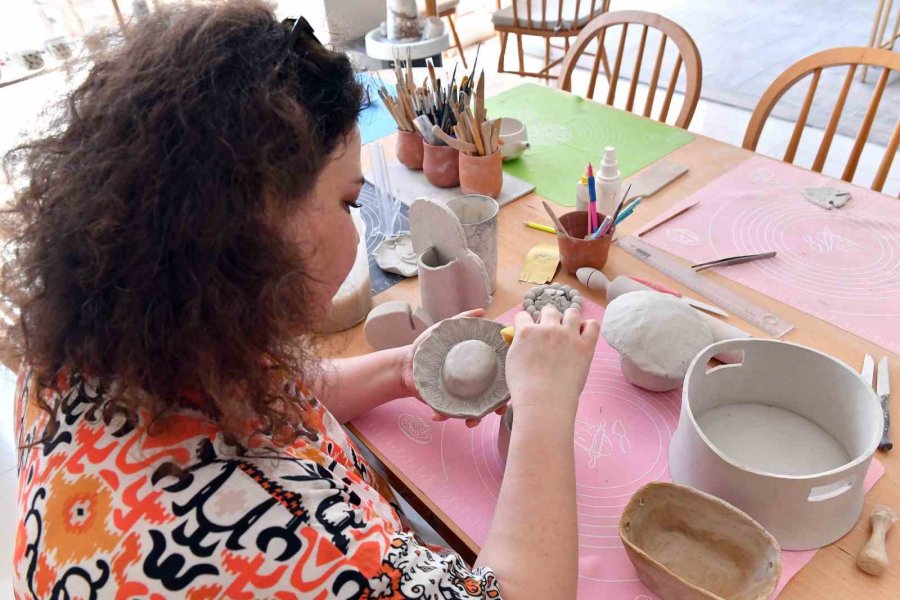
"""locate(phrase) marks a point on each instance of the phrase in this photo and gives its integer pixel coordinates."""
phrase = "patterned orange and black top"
(108, 510)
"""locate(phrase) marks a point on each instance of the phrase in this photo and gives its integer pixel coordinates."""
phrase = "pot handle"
(821, 494)
(738, 346)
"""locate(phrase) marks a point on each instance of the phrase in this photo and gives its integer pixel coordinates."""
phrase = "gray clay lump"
(460, 368)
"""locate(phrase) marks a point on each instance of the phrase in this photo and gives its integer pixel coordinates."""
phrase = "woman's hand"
(406, 371)
(548, 362)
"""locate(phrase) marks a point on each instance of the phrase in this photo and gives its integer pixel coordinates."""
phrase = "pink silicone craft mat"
(622, 438)
(840, 265)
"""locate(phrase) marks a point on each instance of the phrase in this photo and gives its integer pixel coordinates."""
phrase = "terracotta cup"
(409, 150)
(481, 174)
(441, 165)
(575, 251)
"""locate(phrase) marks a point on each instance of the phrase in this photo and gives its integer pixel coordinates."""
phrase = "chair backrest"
(686, 54)
(835, 57)
(539, 15)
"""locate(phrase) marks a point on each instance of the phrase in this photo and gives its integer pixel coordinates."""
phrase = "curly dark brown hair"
(143, 249)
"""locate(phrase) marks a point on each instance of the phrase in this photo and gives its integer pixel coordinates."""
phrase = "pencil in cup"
(574, 250)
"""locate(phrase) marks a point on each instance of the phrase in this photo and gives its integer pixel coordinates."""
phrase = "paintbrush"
(555, 219)
(621, 202)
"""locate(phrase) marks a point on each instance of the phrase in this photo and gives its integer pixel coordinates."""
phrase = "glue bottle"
(609, 183)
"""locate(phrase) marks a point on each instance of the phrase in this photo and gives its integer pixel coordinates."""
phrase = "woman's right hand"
(548, 362)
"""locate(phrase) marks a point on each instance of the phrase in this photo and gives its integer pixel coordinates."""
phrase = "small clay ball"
(469, 369)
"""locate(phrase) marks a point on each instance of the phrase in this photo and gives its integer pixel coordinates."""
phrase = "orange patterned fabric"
(107, 510)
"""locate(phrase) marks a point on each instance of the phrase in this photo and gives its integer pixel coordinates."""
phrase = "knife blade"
(703, 306)
(883, 389)
(868, 371)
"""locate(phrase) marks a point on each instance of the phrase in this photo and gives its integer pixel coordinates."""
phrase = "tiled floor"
(714, 120)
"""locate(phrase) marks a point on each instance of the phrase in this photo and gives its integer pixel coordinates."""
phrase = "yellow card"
(540, 264)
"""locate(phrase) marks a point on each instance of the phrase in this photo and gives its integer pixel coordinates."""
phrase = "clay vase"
(441, 165)
(478, 216)
(481, 174)
(409, 150)
(575, 251)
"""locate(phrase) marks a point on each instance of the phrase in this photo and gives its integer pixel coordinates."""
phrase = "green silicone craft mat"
(566, 132)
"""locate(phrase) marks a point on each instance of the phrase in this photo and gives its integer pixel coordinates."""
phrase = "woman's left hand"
(406, 373)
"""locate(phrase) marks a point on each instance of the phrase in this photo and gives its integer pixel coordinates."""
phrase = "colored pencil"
(540, 227)
(592, 209)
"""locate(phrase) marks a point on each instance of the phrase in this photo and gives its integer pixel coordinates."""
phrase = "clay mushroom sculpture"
(460, 368)
(656, 336)
(555, 294)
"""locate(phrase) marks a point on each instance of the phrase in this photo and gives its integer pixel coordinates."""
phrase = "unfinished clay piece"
(506, 423)
(452, 278)
(397, 255)
(460, 368)
(657, 337)
(555, 294)
(687, 545)
(827, 197)
(721, 331)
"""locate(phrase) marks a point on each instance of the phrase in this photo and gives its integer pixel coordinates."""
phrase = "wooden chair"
(686, 54)
(814, 65)
(553, 19)
(446, 9)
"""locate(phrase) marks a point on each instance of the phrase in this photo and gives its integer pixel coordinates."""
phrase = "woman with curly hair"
(179, 232)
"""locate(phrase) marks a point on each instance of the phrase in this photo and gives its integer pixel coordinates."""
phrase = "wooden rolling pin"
(873, 558)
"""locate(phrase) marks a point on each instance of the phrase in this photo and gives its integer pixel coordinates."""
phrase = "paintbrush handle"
(555, 219)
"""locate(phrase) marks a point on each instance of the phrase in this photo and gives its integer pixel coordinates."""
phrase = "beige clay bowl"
(687, 545)
(460, 368)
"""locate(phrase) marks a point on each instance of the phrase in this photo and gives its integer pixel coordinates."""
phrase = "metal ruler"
(724, 297)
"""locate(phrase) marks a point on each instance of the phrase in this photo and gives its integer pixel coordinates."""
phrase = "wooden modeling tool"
(669, 217)
(656, 177)
(555, 219)
(873, 558)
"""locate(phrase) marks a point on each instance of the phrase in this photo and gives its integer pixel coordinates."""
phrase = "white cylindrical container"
(609, 183)
(582, 195)
(786, 435)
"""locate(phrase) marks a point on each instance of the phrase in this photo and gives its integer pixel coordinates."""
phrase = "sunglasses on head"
(298, 28)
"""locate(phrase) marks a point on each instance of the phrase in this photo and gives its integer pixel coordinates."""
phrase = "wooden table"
(832, 574)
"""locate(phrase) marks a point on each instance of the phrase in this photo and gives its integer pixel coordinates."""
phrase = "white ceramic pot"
(786, 435)
(515, 138)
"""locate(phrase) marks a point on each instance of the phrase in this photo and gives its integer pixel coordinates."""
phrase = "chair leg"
(500, 67)
(546, 53)
(459, 47)
(521, 53)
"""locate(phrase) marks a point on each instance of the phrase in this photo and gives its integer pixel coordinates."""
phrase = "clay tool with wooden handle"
(555, 219)
(873, 558)
(452, 141)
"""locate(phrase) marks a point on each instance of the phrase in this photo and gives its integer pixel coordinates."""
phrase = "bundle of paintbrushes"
(443, 111)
